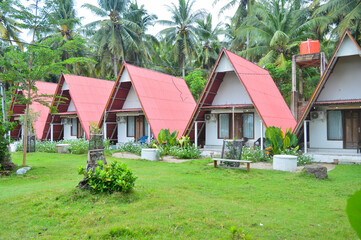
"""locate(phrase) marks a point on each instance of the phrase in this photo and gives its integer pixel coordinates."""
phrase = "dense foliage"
(277, 141)
(353, 210)
(114, 177)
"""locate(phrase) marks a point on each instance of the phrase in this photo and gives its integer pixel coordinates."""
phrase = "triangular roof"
(165, 100)
(340, 51)
(261, 89)
(44, 88)
(89, 96)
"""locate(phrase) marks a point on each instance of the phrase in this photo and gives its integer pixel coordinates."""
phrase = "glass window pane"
(247, 125)
(145, 127)
(334, 125)
(131, 126)
(74, 125)
(223, 125)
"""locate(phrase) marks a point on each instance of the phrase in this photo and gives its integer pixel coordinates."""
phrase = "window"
(223, 131)
(74, 126)
(334, 125)
(146, 125)
(130, 126)
(247, 125)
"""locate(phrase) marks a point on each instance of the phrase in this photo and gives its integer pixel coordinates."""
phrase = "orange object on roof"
(17, 109)
(89, 96)
(165, 100)
(310, 46)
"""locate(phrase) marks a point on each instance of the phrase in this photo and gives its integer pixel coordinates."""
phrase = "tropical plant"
(181, 33)
(353, 210)
(277, 141)
(114, 177)
(184, 141)
(167, 138)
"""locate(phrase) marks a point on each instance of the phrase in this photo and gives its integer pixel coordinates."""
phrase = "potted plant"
(278, 143)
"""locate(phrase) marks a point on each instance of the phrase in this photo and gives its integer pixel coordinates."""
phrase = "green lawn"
(190, 200)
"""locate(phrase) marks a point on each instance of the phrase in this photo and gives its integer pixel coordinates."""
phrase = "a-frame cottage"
(333, 114)
(239, 100)
(143, 102)
(17, 109)
(82, 102)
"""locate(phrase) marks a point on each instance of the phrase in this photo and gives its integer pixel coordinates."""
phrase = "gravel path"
(169, 159)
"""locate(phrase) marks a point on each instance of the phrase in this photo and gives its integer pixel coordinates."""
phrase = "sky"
(158, 7)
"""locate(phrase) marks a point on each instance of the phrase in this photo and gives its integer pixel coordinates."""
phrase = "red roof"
(89, 96)
(44, 88)
(166, 101)
(263, 92)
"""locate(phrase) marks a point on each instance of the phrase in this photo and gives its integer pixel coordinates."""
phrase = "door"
(139, 127)
(352, 128)
(80, 131)
(238, 126)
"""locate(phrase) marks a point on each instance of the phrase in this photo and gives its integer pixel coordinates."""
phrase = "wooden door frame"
(344, 125)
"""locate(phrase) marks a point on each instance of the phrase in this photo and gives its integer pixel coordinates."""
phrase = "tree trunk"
(25, 134)
(115, 66)
(183, 69)
(7, 164)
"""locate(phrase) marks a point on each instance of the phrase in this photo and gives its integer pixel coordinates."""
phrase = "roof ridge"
(153, 71)
(227, 51)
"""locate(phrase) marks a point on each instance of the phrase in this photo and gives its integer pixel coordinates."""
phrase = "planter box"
(151, 154)
(62, 148)
(285, 163)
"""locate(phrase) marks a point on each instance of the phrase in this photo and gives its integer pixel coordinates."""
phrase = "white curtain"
(247, 125)
(74, 126)
(223, 125)
(146, 127)
(131, 126)
(334, 125)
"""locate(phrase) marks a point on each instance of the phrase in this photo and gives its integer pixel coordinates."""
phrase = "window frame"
(128, 126)
(342, 126)
(230, 130)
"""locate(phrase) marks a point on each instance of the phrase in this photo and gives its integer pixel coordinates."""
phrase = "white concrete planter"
(62, 148)
(151, 154)
(285, 163)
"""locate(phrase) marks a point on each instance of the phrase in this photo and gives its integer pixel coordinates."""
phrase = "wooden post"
(294, 95)
(215, 163)
(248, 166)
(51, 132)
(196, 134)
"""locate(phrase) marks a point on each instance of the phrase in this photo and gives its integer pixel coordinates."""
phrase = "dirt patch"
(269, 166)
(169, 159)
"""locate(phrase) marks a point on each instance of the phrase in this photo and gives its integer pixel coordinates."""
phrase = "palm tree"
(209, 44)
(146, 42)
(9, 30)
(115, 34)
(181, 33)
(276, 27)
(343, 13)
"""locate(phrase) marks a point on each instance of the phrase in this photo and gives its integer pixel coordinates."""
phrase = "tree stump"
(7, 164)
(93, 157)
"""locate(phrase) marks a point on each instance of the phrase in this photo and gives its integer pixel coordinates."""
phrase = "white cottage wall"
(231, 91)
(122, 133)
(132, 100)
(67, 133)
(345, 81)
(212, 131)
(318, 134)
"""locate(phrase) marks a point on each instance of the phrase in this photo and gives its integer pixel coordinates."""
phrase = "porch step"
(331, 158)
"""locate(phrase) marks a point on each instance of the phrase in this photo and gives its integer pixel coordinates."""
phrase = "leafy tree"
(181, 33)
(9, 27)
(25, 68)
(196, 82)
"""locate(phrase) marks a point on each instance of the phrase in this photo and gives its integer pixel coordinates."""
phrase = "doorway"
(352, 128)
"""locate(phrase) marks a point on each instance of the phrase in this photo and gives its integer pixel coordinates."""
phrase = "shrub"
(278, 141)
(255, 155)
(131, 147)
(190, 152)
(115, 177)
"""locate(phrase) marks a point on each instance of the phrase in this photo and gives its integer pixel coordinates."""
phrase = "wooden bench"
(232, 160)
(234, 154)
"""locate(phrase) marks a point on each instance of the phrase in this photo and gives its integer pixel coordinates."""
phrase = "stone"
(21, 171)
(318, 171)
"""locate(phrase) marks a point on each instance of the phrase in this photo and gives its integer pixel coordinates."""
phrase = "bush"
(189, 152)
(115, 177)
(302, 159)
(255, 155)
(131, 147)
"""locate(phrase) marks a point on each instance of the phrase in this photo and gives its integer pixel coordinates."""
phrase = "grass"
(189, 200)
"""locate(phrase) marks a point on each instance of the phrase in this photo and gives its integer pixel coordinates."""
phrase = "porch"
(331, 155)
